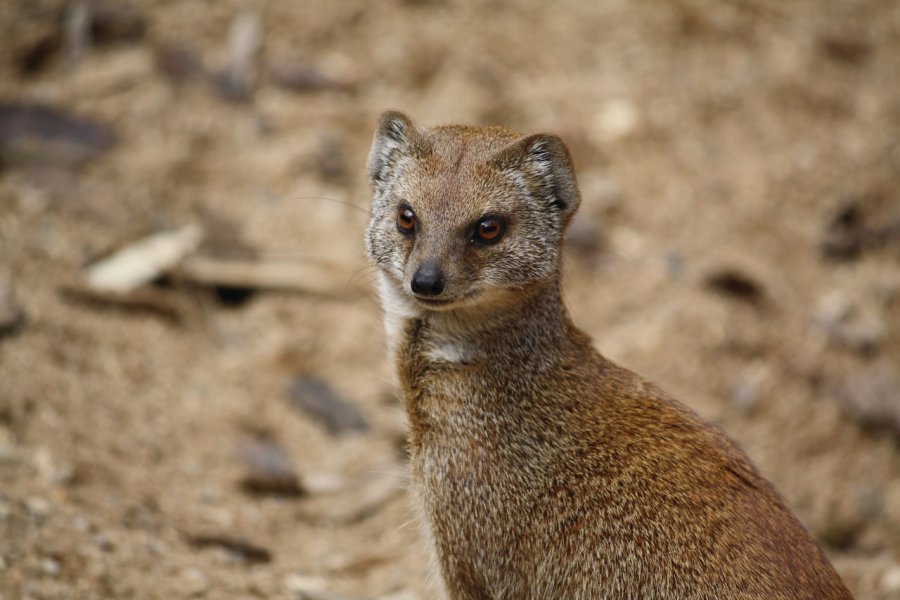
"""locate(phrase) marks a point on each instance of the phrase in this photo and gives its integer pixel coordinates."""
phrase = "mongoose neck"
(530, 327)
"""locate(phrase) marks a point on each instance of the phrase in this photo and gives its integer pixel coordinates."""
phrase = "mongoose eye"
(406, 220)
(489, 230)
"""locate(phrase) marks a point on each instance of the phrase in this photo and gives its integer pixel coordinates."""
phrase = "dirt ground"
(739, 243)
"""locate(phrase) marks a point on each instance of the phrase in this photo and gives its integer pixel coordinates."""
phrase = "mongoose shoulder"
(543, 469)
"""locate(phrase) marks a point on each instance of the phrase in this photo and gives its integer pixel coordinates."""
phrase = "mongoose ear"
(395, 137)
(545, 162)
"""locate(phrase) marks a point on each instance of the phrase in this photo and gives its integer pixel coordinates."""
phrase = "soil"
(740, 166)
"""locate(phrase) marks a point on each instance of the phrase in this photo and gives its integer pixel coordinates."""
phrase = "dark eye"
(406, 220)
(489, 230)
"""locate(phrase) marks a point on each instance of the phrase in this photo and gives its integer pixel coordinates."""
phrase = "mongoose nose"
(428, 280)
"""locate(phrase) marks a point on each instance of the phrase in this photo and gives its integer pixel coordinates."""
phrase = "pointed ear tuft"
(395, 137)
(545, 162)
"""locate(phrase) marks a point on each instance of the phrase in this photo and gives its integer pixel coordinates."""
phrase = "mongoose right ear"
(395, 137)
(545, 162)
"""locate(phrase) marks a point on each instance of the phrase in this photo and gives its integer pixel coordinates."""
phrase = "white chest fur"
(399, 309)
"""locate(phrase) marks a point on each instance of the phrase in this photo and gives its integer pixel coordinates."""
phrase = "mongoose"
(544, 470)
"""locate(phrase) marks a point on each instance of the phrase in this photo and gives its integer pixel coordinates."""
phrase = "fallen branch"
(143, 261)
(259, 273)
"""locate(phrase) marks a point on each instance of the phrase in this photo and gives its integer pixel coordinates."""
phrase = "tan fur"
(543, 469)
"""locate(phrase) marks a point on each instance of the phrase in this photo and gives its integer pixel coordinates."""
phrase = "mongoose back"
(543, 469)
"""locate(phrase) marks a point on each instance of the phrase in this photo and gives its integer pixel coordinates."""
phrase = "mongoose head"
(461, 216)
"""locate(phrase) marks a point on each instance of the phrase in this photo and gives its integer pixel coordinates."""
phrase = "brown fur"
(543, 469)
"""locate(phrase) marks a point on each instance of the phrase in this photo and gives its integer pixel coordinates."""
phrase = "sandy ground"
(716, 144)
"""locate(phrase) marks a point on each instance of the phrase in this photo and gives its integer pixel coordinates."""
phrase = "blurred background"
(194, 396)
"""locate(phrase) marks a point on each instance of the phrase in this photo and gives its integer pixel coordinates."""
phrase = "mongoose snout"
(428, 279)
(544, 470)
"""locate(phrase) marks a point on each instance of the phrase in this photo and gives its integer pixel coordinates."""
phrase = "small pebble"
(236, 547)
(400, 595)
(195, 582)
(862, 330)
(58, 473)
(863, 334)
(890, 580)
(269, 469)
(601, 192)
(37, 135)
(584, 235)
(734, 283)
(321, 402)
(37, 506)
(103, 542)
(746, 390)
(12, 317)
(156, 546)
(616, 119)
(872, 396)
(305, 587)
(50, 567)
(8, 453)
(831, 309)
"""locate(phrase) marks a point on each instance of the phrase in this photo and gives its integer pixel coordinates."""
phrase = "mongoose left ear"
(395, 137)
(545, 162)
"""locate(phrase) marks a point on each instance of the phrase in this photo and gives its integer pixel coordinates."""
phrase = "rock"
(357, 502)
(585, 236)
(331, 160)
(103, 542)
(297, 584)
(848, 326)
(306, 587)
(180, 63)
(872, 397)
(237, 81)
(840, 531)
(890, 580)
(37, 507)
(845, 47)
(617, 118)
(194, 583)
(675, 265)
(12, 315)
(38, 45)
(156, 546)
(400, 595)
(745, 392)
(600, 195)
(864, 333)
(298, 76)
(859, 226)
(115, 21)
(323, 483)
(831, 309)
(76, 25)
(55, 472)
(843, 235)
(35, 134)
(736, 284)
(318, 400)
(241, 548)
(50, 567)
(269, 470)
